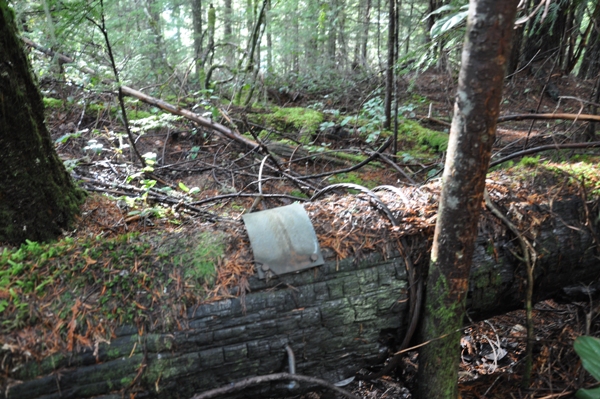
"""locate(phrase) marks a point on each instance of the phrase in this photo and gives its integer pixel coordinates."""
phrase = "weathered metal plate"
(283, 241)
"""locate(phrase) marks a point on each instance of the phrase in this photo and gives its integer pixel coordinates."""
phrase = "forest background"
(344, 61)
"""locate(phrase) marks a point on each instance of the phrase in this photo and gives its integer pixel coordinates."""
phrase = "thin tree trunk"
(210, 48)
(342, 46)
(389, 75)
(333, 30)
(469, 150)
(197, 32)
(269, 39)
(409, 28)
(365, 38)
(228, 33)
(296, 43)
(357, 38)
(255, 40)
(379, 34)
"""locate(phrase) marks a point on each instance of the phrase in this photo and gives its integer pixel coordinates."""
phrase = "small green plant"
(153, 122)
(352, 177)
(588, 349)
(188, 190)
(298, 193)
(374, 113)
(55, 103)
(65, 137)
(529, 161)
(94, 146)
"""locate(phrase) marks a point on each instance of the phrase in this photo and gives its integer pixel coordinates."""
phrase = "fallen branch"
(522, 117)
(591, 144)
(359, 165)
(240, 385)
(205, 122)
(572, 117)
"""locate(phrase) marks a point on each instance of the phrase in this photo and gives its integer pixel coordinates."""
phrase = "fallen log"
(337, 318)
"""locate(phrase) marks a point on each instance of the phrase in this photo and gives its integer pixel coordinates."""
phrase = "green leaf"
(588, 393)
(588, 348)
(444, 8)
(447, 23)
(184, 187)
(346, 120)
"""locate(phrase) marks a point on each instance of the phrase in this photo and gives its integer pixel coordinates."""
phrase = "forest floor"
(207, 178)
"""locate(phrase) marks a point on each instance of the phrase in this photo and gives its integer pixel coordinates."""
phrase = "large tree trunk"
(37, 197)
(332, 317)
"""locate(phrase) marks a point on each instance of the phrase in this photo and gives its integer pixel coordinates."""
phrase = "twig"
(355, 167)
(540, 102)
(236, 195)
(260, 197)
(278, 166)
(529, 258)
(399, 169)
(351, 186)
(102, 27)
(243, 384)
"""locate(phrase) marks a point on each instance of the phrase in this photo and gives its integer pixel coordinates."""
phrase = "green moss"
(302, 120)
(53, 103)
(529, 161)
(126, 381)
(586, 158)
(430, 140)
(352, 177)
(133, 278)
(355, 158)
(546, 174)
(577, 173)
(96, 108)
(201, 261)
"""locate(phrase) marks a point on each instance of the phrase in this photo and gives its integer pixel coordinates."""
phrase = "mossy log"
(332, 317)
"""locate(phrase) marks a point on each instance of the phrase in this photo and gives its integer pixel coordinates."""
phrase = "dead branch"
(591, 144)
(571, 117)
(240, 385)
(205, 122)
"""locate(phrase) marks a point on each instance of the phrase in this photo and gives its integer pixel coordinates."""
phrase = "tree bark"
(37, 197)
(197, 32)
(485, 54)
(389, 73)
(332, 317)
(365, 36)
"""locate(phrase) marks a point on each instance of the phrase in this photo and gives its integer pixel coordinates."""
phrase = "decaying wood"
(337, 318)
